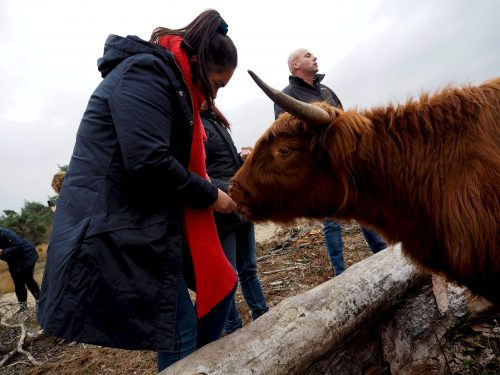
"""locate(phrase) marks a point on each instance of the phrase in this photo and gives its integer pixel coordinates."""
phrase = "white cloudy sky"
(372, 51)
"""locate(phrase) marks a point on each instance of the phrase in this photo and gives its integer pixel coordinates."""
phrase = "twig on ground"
(280, 270)
(23, 340)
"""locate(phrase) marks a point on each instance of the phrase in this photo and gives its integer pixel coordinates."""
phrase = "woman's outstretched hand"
(224, 204)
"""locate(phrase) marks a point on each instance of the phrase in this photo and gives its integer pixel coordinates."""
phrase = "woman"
(56, 184)
(237, 235)
(21, 256)
(134, 224)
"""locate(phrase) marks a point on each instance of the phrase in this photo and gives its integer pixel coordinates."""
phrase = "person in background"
(237, 235)
(134, 226)
(332, 232)
(52, 205)
(305, 85)
(56, 184)
(21, 256)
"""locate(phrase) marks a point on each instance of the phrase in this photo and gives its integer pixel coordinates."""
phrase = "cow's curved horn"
(304, 111)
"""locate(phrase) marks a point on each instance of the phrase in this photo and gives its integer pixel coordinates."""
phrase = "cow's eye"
(284, 150)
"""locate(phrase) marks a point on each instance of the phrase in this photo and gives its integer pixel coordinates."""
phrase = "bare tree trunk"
(302, 329)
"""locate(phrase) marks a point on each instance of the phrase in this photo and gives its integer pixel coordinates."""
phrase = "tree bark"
(302, 329)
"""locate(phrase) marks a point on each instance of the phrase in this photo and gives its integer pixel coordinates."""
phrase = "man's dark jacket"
(301, 90)
(115, 254)
(20, 254)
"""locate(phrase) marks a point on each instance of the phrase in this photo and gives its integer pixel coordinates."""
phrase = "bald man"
(305, 82)
(305, 85)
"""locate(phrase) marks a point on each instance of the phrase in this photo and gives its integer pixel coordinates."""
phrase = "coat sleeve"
(222, 184)
(277, 111)
(9, 253)
(9, 242)
(142, 111)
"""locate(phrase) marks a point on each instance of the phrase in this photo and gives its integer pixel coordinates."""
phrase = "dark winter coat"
(223, 161)
(301, 90)
(20, 254)
(115, 253)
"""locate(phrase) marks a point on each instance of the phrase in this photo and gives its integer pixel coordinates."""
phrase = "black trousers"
(22, 279)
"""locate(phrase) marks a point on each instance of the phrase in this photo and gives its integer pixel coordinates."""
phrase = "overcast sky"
(373, 52)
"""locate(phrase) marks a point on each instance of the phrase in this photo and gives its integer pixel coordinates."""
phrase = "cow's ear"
(343, 135)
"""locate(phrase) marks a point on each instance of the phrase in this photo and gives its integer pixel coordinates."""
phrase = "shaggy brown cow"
(426, 174)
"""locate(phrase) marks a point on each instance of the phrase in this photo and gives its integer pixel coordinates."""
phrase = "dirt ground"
(291, 260)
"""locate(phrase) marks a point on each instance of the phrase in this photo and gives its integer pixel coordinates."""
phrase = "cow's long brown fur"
(426, 174)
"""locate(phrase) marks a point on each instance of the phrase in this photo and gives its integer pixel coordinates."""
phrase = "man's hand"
(224, 204)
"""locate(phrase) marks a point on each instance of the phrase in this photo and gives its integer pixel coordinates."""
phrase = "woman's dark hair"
(206, 38)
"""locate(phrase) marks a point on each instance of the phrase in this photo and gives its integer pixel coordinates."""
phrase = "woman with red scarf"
(134, 225)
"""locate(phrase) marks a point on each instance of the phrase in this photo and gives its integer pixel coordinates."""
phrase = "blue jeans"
(239, 246)
(191, 333)
(332, 232)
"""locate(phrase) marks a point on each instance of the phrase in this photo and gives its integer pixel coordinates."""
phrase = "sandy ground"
(265, 231)
(11, 298)
(9, 304)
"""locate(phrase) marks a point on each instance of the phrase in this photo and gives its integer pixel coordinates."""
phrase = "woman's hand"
(224, 204)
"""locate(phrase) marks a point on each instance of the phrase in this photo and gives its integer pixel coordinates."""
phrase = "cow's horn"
(304, 111)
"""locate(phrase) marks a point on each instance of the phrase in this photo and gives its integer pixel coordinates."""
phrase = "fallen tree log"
(413, 337)
(302, 329)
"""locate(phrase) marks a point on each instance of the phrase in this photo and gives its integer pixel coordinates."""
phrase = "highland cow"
(426, 174)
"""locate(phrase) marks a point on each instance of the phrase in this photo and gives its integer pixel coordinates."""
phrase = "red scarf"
(214, 275)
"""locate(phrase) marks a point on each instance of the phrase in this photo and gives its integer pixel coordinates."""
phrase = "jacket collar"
(299, 81)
